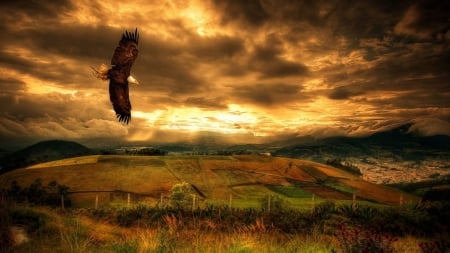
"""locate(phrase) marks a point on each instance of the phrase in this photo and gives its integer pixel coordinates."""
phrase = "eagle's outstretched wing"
(124, 55)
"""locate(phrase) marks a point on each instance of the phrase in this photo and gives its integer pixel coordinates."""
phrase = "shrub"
(437, 246)
(127, 217)
(367, 216)
(27, 217)
(323, 210)
(344, 165)
(6, 240)
(355, 240)
(182, 195)
(290, 221)
(273, 203)
(38, 194)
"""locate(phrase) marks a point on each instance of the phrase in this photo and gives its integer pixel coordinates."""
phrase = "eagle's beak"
(132, 80)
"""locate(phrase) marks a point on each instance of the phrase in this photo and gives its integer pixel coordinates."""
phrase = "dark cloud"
(415, 99)
(249, 12)
(74, 41)
(55, 115)
(165, 65)
(10, 87)
(267, 60)
(53, 106)
(417, 69)
(208, 103)
(342, 93)
(270, 94)
(47, 68)
(425, 19)
(362, 19)
(268, 63)
(311, 12)
(170, 75)
(35, 9)
(216, 47)
(15, 61)
(429, 126)
(46, 51)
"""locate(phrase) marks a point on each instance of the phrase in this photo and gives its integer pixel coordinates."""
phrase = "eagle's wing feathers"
(122, 60)
(119, 96)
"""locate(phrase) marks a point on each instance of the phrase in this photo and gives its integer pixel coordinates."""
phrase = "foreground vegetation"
(248, 204)
(327, 228)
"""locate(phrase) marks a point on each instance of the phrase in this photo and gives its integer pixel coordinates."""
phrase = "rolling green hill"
(43, 151)
(246, 178)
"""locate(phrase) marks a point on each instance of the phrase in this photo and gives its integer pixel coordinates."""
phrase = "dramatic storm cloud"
(244, 69)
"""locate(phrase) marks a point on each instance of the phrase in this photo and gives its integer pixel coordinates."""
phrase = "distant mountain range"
(42, 152)
(397, 143)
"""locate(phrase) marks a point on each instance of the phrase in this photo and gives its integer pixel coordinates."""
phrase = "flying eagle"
(119, 74)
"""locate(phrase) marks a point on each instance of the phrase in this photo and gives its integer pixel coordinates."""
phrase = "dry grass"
(74, 232)
(67, 162)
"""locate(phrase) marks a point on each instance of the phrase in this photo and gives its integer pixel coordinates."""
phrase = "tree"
(182, 195)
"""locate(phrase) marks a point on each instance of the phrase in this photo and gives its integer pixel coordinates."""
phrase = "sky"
(248, 71)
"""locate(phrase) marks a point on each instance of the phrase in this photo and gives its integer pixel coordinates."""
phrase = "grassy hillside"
(42, 152)
(246, 178)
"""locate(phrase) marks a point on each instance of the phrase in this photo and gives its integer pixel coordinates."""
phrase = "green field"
(244, 179)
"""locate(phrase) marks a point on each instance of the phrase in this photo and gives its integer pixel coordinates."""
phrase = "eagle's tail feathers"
(101, 72)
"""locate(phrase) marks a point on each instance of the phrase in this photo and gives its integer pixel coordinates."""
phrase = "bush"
(344, 165)
(355, 240)
(323, 210)
(127, 217)
(6, 240)
(440, 245)
(27, 217)
(273, 203)
(39, 194)
(182, 195)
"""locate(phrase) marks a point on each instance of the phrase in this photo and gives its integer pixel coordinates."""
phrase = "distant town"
(388, 171)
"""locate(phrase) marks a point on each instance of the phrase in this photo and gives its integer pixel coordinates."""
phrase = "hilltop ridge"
(43, 151)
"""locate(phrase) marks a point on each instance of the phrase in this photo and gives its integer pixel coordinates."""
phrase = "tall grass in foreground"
(328, 228)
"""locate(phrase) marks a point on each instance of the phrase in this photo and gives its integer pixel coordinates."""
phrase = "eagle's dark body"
(122, 60)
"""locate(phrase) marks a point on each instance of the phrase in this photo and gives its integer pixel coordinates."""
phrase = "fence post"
(96, 201)
(62, 202)
(193, 202)
(312, 202)
(128, 201)
(230, 200)
(401, 199)
(354, 201)
(268, 204)
(161, 201)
